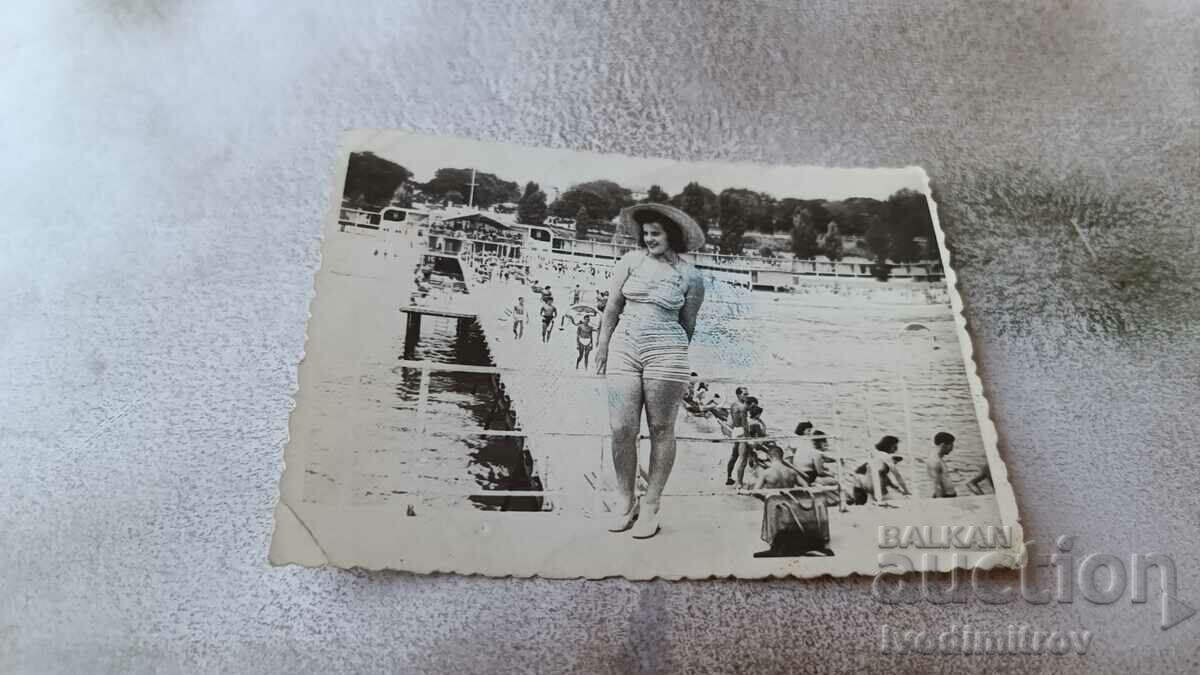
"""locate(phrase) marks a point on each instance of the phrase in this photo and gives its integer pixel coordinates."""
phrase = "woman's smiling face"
(656, 238)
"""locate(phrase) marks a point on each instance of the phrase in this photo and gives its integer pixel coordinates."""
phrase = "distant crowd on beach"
(584, 316)
(806, 461)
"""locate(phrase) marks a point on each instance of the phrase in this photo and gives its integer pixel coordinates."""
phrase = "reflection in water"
(468, 401)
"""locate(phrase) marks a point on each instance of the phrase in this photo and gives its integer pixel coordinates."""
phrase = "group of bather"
(578, 313)
(808, 462)
(560, 269)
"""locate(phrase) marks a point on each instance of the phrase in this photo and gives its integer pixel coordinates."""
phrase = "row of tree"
(891, 229)
(374, 182)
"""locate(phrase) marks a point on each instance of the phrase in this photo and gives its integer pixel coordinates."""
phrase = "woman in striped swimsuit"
(648, 324)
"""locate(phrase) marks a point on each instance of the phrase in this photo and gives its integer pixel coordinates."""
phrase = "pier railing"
(750, 264)
(747, 265)
(425, 429)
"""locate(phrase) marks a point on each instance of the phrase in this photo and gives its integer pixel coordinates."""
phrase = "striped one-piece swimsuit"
(651, 348)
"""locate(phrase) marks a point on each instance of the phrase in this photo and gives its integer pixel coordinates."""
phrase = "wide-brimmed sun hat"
(633, 217)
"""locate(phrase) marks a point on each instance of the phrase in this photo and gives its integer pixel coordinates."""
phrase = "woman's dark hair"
(887, 444)
(754, 411)
(943, 437)
(803, 427)
(672, 228)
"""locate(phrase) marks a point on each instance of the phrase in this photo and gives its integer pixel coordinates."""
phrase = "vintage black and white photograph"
(528, 361)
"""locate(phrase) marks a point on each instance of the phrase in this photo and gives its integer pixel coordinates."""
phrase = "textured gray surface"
(165, 166)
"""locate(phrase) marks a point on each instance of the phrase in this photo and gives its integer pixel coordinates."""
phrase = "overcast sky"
(563, 168)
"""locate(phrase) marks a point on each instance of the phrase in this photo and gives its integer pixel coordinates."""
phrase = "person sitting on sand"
(810, 462)
(858, 489)
(778, 474)
(689, 396)
(882, 468)
(936, 465)
(712, 407)
(784, 521)
(885, 465)
(984, 473)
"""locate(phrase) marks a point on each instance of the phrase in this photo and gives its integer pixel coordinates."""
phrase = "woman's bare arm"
(899, 479)
(616, 300)
(692, 300)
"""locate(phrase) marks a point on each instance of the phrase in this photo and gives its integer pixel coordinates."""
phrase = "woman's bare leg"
(625, 418)
(662, 407)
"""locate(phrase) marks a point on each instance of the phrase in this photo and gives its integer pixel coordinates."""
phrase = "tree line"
(898, 228)
(374, 182)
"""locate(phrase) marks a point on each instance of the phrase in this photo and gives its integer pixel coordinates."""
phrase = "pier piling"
(412, 333)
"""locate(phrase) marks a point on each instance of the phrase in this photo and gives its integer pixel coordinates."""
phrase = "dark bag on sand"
(795, 525)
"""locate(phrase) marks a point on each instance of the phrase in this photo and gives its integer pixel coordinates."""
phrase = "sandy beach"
(380, 469)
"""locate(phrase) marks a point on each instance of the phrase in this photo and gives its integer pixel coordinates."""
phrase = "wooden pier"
(412, 325)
